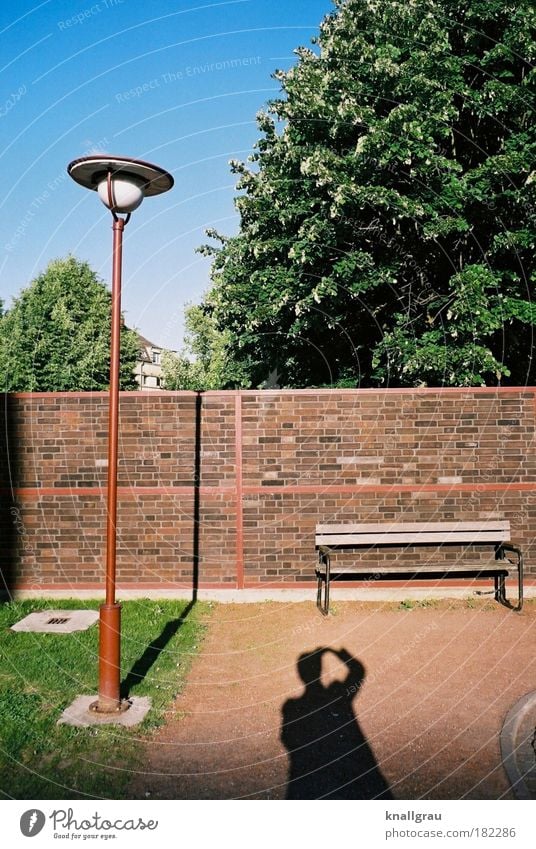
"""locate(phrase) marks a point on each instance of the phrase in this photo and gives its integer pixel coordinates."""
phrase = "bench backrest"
(413, 533)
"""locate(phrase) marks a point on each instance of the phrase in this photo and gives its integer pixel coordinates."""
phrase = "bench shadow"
(329, 756)
(153, 651)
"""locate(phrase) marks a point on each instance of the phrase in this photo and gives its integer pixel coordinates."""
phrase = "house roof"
(147, 344)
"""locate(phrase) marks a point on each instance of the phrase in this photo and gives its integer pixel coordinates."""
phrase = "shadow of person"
(329, 755)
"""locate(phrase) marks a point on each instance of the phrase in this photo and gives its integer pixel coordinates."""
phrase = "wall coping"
(230, 393)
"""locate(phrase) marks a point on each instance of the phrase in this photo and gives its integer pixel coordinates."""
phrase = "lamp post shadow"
(15, 547)
(143, 664)
(329, 755)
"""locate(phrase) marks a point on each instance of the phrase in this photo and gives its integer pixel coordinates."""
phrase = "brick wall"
(230, 485)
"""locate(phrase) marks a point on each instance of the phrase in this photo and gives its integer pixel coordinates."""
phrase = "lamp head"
(123, 193)
(121, 182)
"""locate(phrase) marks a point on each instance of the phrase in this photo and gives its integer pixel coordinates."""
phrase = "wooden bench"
(496, 534)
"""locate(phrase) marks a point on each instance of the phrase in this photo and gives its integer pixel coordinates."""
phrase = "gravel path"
(374, 701)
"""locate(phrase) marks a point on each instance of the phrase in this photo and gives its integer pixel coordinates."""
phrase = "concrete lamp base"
(79, 714)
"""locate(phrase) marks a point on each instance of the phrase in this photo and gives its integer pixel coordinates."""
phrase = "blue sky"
(177, 83)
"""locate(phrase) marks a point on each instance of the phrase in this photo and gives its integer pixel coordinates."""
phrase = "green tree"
(387, 222)
(204, 362)
(56, 335)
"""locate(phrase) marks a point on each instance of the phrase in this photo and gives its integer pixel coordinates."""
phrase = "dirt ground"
(375, 701)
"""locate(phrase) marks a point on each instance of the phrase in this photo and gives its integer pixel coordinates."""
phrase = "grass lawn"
(40, 674)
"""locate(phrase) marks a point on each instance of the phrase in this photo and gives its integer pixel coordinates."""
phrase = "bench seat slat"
(411, 538)
(430, 568)
(500, 526)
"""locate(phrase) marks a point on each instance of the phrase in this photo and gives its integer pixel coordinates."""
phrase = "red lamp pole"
(109, 700)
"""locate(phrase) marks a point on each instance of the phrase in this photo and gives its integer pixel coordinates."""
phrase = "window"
(156, 357)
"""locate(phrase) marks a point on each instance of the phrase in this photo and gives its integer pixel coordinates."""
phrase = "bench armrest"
(511, 547)
(507, 546)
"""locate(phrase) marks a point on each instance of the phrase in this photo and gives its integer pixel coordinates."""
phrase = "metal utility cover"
(57, 621)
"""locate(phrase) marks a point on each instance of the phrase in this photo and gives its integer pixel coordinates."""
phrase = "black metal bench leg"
(323, 575)
(328, 576)
(520, 581)
(502, 589)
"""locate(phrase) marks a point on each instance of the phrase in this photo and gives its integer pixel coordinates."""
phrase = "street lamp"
(121, 183)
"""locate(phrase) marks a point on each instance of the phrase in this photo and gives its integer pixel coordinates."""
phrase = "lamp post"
(122, 184)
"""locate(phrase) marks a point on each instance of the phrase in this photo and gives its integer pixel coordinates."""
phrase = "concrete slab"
(78, 713)
(57, 621)
(252, 596)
